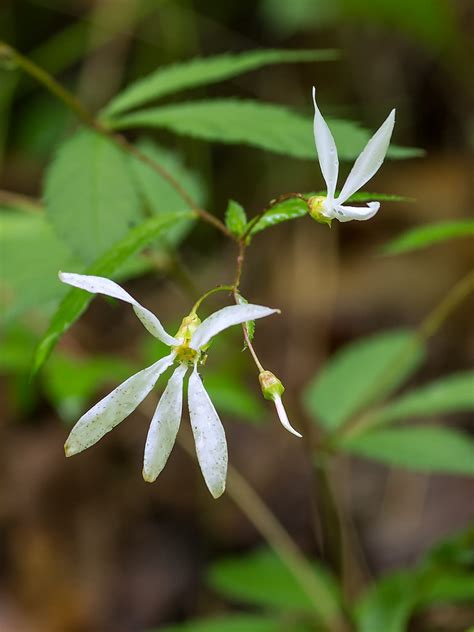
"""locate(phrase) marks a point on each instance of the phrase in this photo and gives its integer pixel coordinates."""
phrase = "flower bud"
(315, 209)
(270, 385)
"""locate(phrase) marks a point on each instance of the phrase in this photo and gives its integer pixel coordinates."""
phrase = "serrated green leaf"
(425, 448)
(204, 71)
(235, 218)
(76, 301)
(262, 579)
(447, 395)
(429, 234)
(361, 374)
(263, 125)
(90, 198)
(235, 623)
(282, 212)
(31, 255)
(296, 207)
(158, 193)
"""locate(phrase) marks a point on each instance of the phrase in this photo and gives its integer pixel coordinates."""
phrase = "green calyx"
(316, 208)
(270, 385)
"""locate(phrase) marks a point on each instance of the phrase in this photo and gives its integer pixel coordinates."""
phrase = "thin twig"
(12, 56)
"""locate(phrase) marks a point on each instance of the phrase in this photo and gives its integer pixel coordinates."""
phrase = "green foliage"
(249, 325)
(263, 125)
(362, 374)
(159, 195)
(281, 212)
(295, 207)
(31, 255)
(234, 623)
(450, 394)
(90, 197)
(425, 448)
(262, 579)
(429, 234)
(201, 72)
(444, 576)
(235, 218)
(76, 301)
(231, 396)
(70, 382)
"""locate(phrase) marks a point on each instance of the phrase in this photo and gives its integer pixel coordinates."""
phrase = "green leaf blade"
(76, 301)
(235, 218)
(424, 449)
(427, 235)
(263, 125)
(205, 71)
(232, 623)
(90, 198)
(447, 395)
(31, 255)
(261, 578)
(362, 374)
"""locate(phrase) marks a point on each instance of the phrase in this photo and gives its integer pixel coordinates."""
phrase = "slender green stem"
(219, 288)
(250, 503)
(428, 328)
(9, 55)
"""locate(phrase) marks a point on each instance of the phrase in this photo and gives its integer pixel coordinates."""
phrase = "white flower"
(366, 165)
(187, 348)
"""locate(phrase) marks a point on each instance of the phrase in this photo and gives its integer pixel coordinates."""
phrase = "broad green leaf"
(76, 301)
(262, 579)
(360, 374)
(450, 394)
(387, 605)
(282, 212)
(296, 207)
(70, 382)
(428, 234)
(235, 218)
(204, 71)
(264, 125)
(231, 396)
(159, 195)
(31, 255)
(235, 623)
(443, 576)
(89, 194)
(422, 448)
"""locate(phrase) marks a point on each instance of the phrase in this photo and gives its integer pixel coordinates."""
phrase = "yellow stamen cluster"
(184, 353)
(316, 207)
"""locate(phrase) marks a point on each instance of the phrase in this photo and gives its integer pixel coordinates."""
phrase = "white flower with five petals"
(331, 207)
(187, 348)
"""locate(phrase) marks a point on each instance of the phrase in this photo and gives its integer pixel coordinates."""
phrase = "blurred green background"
(86, 545)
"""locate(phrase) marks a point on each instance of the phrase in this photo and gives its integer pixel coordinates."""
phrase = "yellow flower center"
(316, 208)
(184, 353)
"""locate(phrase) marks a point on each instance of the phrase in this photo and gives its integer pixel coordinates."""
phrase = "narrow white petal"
(284, 417)
(346, 213)
(209, 436)
(226, 317)
(113, 409)
(326, 148)
(369, 161)
(101, 285)
(164, 426)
